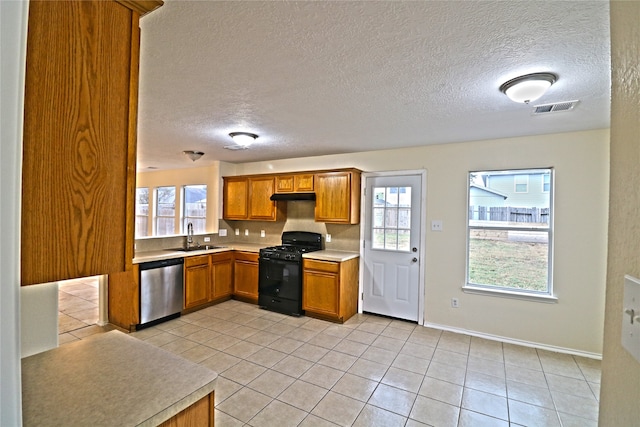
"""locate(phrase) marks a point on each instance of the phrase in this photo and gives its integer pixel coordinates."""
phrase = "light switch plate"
(222, 232)
(237, 231)
(436, 225)
(206, 239)
(262, 233)
(631, 316)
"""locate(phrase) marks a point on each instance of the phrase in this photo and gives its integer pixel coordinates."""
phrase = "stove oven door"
(280, 285)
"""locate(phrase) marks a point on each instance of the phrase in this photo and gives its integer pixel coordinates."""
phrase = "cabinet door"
(284, 183)
(78, 175)
(196, 281)
(221, 275)
(235, 198)
(320, 292)
(333, 197)
(245, 277)
(260, 205)
(303, 183)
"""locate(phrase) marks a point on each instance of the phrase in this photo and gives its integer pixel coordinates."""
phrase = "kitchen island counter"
(110, 379)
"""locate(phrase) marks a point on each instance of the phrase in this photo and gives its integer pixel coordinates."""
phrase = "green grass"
(517, 265)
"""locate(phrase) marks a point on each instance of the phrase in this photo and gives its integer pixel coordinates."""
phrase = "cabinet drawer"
(196, 260)
(247, 256)
(328, 266)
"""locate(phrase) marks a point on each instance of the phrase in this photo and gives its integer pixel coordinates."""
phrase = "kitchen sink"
(196, 248)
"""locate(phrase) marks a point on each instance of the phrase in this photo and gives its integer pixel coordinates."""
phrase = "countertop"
(109, 379)
(331, 255)
(324, 255)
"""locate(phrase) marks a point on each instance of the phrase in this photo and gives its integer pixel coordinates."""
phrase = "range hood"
(293, 196)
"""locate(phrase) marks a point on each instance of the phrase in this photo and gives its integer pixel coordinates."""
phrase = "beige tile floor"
(77, 307)
(280, 371)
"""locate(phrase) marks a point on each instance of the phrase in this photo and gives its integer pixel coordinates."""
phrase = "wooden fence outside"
(510, 214)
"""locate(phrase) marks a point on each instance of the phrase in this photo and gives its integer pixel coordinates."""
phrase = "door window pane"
(391, 218)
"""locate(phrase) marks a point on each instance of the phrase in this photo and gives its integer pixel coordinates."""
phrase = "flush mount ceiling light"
(244, 139)
(193, 155)
(529, 87)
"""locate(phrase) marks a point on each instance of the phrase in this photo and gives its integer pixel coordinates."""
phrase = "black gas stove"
(280, 271)
(294, 245)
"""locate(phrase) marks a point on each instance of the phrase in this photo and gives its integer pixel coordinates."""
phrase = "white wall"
(209, 175)
(581, 162)
(13, 31)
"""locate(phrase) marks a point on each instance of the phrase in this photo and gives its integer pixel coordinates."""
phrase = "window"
(509, 245)
(165, 210)
(546, 182)
(194, 208)
(391, 218)
(521, 183)
(142, 212)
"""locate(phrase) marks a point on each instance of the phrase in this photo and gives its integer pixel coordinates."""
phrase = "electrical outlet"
(455, 303)
(262, 233)
(222, 232)
(207, 239)
(436, 225)
(246, 232)
(237, 231)
(328, 238)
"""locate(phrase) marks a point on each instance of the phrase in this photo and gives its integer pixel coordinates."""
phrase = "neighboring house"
(483, 198)
(522, 188)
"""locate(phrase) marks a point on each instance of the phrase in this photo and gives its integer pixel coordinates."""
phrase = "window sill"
(480, 290)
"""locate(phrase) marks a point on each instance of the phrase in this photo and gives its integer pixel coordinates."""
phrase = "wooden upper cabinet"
(260, 205)
(79, 148)
(338, 197)
(235, 198)
(248, 198)
(294, 183)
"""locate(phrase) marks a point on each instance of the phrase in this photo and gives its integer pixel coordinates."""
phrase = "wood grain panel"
(76, 132)
(236, 198)
(260, 205)
(199, 414)
(124, 298)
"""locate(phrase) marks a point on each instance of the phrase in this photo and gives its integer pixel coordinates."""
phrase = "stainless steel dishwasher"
(161, 290)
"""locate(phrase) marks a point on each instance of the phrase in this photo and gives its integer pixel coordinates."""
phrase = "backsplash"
(300, 216)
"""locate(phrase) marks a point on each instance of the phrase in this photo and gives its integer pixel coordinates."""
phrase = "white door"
(391, 277)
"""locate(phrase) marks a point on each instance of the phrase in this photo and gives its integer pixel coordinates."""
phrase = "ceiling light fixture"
(529, 87)
(244, 139)
(193, 155)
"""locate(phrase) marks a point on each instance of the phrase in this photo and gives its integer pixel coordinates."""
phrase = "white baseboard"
(515, 341)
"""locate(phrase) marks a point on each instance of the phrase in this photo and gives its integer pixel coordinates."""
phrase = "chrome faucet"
(189, 235)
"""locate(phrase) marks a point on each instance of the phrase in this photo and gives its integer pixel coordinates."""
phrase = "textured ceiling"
(315, 77)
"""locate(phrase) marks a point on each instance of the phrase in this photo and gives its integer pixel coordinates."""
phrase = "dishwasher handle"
(161, 263)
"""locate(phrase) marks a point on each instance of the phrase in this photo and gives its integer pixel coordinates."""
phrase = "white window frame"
(502, 291)
(157, 215)
(185, 218)
(146, 230)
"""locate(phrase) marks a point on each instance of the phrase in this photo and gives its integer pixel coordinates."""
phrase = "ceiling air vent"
(555, 108)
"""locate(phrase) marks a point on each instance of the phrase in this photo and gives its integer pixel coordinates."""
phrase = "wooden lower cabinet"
(330, 289)
(197, 280)
(199, 414)
(207, 278)
(221, 276)
(245, 277)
